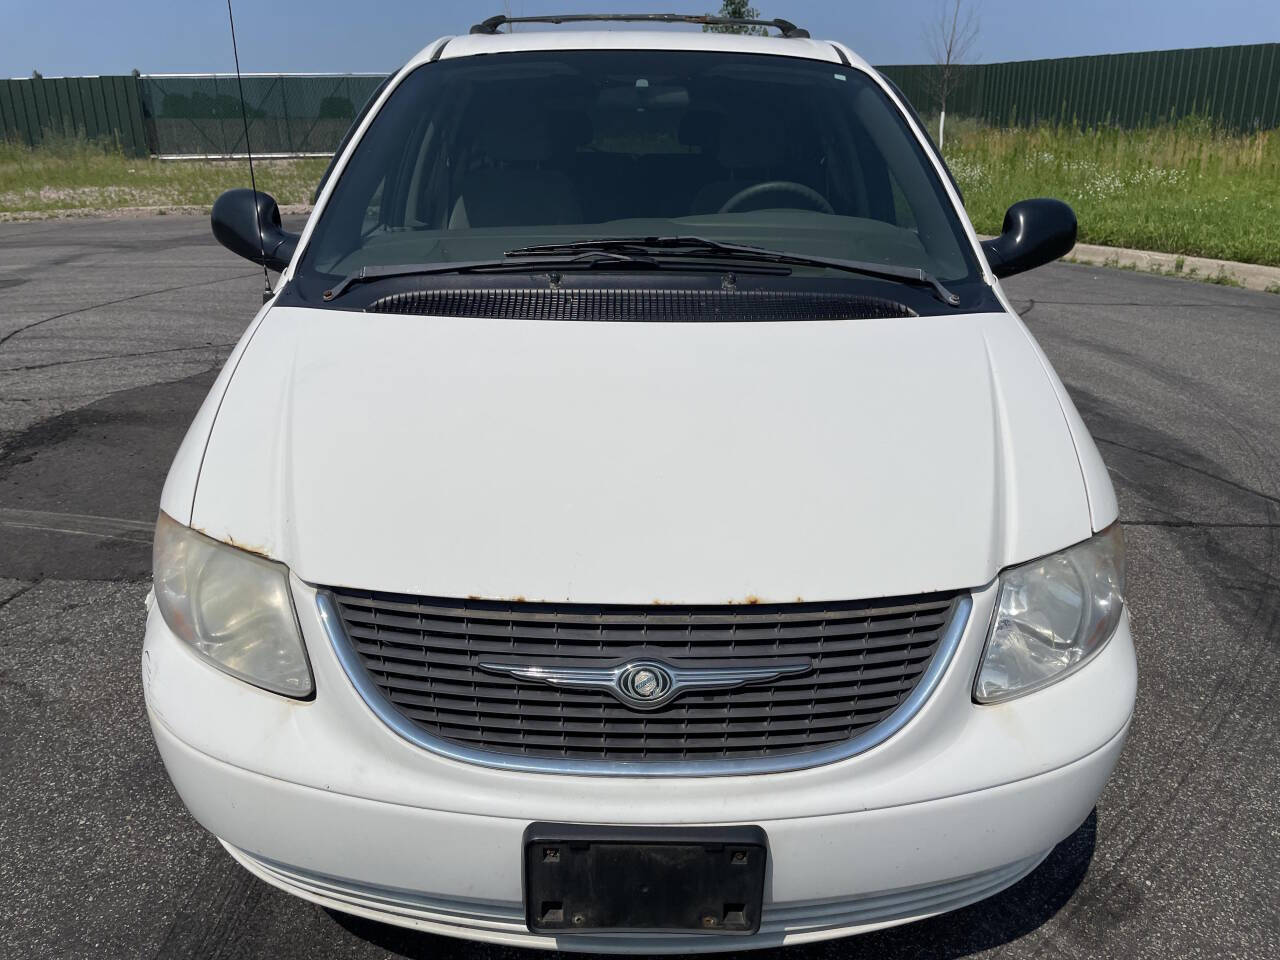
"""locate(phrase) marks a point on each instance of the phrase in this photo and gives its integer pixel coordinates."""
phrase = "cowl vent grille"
(647, 306)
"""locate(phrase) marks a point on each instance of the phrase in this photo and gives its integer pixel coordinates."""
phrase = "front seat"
(515, 183)
(749, 154)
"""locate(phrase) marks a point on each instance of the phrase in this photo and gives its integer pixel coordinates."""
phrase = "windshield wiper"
(698, 246)
(584, 259)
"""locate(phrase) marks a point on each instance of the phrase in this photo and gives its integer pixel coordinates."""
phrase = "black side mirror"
(235, 218)
(1035, 232)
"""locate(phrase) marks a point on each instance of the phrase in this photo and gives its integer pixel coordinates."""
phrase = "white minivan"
(637, 522)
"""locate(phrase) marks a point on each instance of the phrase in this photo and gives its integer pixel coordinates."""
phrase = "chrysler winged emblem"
(648, 684)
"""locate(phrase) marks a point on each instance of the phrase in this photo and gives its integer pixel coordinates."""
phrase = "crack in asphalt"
(1186, 466)
(111, 589)
(108, 303)
(1201, 524)
(118, 356)
(1162, 305)
(95, 395)
(4, 602)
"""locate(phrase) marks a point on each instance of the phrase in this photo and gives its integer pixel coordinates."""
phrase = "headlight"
(1052, 615)
(231, 607)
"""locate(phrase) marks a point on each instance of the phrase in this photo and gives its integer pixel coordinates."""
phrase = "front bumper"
(323, 800)
(504, 922)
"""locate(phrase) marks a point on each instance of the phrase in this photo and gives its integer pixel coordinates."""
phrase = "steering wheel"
(815, 199)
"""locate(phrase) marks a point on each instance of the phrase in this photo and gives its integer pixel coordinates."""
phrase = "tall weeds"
(75, 174)
(1186, 187)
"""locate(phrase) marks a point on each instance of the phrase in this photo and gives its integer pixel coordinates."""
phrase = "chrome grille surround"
(370, 631)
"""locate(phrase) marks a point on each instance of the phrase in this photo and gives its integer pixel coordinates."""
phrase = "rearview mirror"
(1035, 232)
(235, 219)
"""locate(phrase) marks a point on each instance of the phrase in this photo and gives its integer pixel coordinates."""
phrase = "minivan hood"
(641, 462)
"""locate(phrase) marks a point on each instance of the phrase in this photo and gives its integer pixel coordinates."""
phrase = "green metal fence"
(95, 108)
(1236, 87)
(199, 115)
(288, 113)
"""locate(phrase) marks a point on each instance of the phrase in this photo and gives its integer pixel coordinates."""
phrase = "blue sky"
(67, 37)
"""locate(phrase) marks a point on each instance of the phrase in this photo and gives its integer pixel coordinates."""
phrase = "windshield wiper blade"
(694, 246)
(570, 260)
(617, 243)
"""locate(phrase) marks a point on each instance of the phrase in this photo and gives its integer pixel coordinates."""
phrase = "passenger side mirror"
(1035, 232)
(235, 218)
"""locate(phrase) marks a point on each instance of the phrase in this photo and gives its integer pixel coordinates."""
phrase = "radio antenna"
(244, 116)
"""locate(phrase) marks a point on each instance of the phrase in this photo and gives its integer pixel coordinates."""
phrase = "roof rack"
(784, 27)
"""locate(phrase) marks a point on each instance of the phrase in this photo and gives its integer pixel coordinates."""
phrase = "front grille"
(423, 654)
(648, 306)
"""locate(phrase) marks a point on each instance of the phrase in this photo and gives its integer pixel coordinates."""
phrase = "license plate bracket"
(581, 878)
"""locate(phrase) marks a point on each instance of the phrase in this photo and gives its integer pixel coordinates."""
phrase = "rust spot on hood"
(750, 599)
(248, 548)
(231, 541)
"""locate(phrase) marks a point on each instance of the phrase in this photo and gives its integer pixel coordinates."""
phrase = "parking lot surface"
(111, 333)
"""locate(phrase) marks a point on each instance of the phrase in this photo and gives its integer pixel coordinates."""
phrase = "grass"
(1183, 188)
(74, 175)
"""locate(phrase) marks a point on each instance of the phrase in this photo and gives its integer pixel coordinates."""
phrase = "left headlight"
(232, 607)
(1052, 615)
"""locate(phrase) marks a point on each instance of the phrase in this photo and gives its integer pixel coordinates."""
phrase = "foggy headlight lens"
(1052, 615)
(231, 607)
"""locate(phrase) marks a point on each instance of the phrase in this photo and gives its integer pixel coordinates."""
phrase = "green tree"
(738, 10)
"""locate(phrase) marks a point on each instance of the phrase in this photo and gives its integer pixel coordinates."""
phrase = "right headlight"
(231, 607)
(1052, 615)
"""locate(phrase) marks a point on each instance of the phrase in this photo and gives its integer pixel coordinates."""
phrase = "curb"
(1250, 276)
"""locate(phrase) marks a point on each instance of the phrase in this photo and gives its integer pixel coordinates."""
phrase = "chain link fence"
(288, 114)
(1236, 88)
(165, 115)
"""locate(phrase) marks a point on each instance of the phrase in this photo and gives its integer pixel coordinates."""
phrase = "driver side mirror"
(235, 219)
(1035, 232)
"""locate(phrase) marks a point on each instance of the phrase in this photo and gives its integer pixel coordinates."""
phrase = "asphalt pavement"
(111, 333)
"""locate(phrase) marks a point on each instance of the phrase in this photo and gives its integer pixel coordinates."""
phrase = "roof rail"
(784, 27)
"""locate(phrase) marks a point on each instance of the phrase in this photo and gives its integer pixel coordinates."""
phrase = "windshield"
(473, 157)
